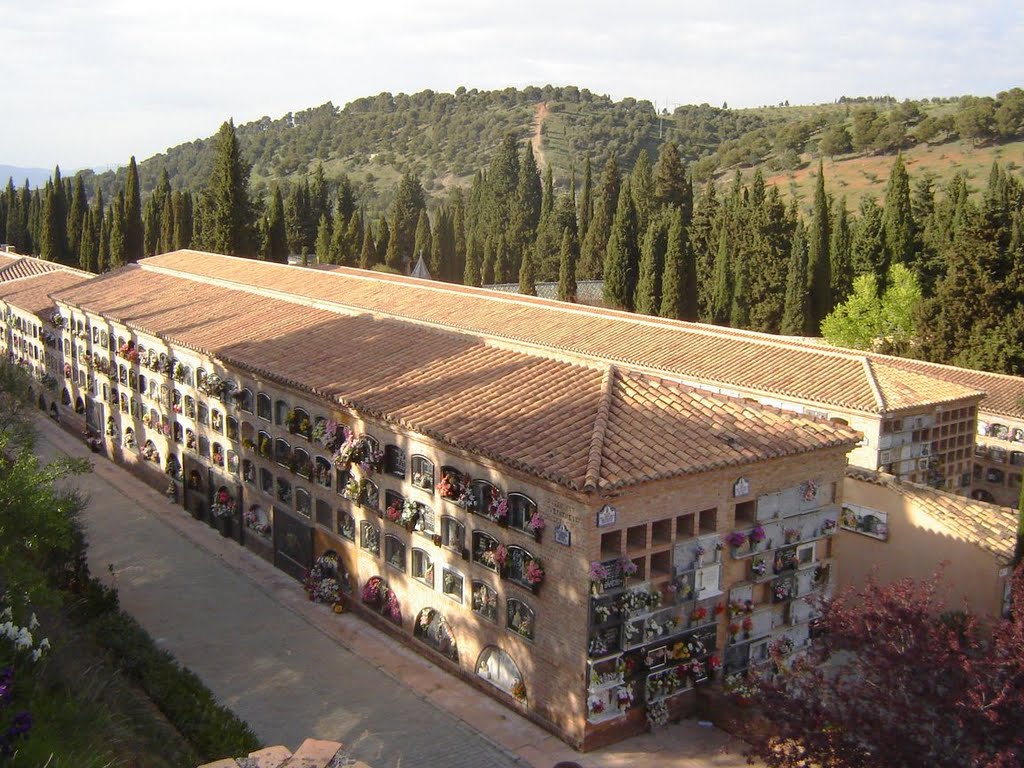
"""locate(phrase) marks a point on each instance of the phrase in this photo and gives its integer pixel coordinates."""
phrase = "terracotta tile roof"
(32, 294)
(7, 257)
(989, 526)
(581, 426)
(685, 351)
(26, 266)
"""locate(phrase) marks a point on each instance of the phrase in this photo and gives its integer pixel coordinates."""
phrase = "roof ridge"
(593, 478)
(876, 390)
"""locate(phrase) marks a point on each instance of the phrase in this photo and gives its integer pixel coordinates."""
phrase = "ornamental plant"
(627, 566)
(895, 679)
(534, 573)
(536, 522)
(736, 539)
(598, 571)
(757, 535)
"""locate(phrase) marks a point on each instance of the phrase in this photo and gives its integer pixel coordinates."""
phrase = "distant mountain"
(37, 177)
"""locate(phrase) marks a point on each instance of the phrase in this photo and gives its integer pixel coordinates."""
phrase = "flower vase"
(595, 588)
(736, 554)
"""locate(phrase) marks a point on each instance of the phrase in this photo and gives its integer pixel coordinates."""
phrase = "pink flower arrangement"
(501, 556)
(536, 522)
(757, 535)
(393, 512)
(627, 566)
(534, 573)
(598, 571)
(736, 539)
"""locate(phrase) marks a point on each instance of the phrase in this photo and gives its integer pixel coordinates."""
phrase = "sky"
(88, 84)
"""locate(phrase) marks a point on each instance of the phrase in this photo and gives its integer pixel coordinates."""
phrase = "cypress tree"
(502, 263)
(165, 242)
(703, 243)
(819, 286)
(671, 187)
(353, 238)
(794, 313)
(14, 232)
(118, 245)
(567, 267)
(840, 269)
(547, 201)
(641, 184)
(35, 221)
(459, 241)
(76, 216)
(592, 252)
(471, 275)
(487, 268)
(652, 266)
(229, 221)
(527, 286)
(867, 248)
(441, 246)
(323, 240)
(529, 199)
(184, 220)
(341, 246)
(679, 280)
(405, 216)
(53, 222)
(87, 245)
(586, 203)
(102, 223)
(134, 236)
(622, 259)
(383, 240)
(722, 288)
(368, 255)
(424, 240)
(296, 214)
(277, 238)
(897, 221)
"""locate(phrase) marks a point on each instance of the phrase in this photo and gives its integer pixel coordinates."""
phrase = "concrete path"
(293, 669)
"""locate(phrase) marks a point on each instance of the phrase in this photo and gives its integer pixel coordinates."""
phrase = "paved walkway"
(293, 669)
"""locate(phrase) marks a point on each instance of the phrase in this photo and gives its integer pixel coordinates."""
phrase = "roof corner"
(593, 477)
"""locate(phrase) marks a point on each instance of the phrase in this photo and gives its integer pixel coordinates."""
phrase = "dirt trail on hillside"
(538, 121)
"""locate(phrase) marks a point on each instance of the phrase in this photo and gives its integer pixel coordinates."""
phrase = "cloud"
(94, 83)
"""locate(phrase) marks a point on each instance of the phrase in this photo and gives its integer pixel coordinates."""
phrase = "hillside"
(446, 138)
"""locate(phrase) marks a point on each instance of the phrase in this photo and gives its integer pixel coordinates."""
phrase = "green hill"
(446, 138)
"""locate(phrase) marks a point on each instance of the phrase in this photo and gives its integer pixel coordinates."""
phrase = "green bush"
(212, 730)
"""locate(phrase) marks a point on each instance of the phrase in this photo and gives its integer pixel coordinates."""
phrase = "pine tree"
(794, 314)
(229, 221)
(652, 266)
(622, 259)
(134, 236)
(897, 222)
(819, 286)
(323, 241)
(567, 267)
(277, 238)
(592, 252)
(368, 255)
(527, 286)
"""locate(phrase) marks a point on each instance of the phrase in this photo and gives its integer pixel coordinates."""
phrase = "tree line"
(738, 254)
